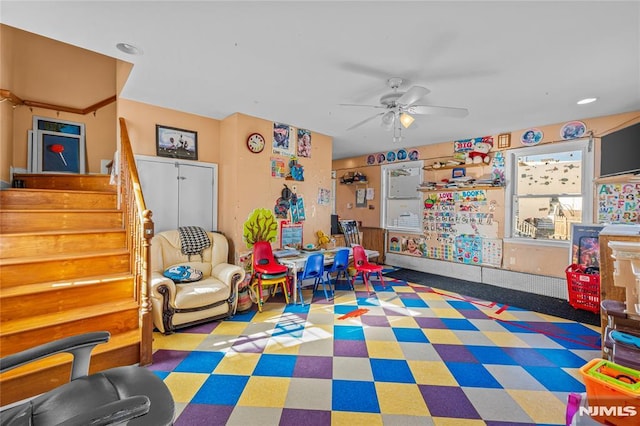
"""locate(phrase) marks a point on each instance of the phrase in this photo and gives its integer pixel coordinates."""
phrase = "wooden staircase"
(65, 269)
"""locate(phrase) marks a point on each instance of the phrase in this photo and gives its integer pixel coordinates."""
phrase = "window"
(549, 187)
(402, 203)
(56, 146)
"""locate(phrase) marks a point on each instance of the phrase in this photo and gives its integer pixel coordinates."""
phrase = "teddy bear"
(479, 154)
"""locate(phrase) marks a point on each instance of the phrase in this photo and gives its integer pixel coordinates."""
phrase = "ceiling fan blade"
(365, 121)
(414, 94)
(366, 106)
(438, 110)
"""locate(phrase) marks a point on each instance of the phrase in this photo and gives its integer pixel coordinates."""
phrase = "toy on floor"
(354, 314)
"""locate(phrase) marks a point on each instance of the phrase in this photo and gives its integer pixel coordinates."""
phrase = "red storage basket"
(584, 289)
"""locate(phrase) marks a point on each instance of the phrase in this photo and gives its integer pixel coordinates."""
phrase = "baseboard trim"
(531, 283)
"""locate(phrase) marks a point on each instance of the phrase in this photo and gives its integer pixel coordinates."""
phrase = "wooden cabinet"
(373, 239)
(179, 192)
(608, 289)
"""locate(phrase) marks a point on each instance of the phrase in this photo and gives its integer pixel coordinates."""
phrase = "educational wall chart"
(458, 226)
(618, 203)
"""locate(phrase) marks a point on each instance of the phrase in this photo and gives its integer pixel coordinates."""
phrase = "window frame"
(384, 199)
(588, 168)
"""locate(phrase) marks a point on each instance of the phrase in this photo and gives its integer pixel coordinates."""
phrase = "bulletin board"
(290, 234)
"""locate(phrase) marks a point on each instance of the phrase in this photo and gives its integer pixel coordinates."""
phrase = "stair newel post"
(146, 320)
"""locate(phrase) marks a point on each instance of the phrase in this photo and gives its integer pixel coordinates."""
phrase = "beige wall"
(39, 69)
(141, 123)
(6, 108)
(245, 181)
(248, 184)
(77, 78)
(521, 257)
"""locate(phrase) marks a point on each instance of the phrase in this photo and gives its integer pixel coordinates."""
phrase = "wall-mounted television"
(621, 152)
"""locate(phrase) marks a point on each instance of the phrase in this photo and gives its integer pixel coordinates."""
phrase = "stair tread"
(65, 211)
(62, 232)
(62, 256)
(57, 285)
(116, 341)
(58, 191)
(40, 321)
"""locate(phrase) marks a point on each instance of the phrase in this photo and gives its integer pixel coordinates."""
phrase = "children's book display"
(458, 226)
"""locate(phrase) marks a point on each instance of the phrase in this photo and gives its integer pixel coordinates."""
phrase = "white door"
(196, 196)
(159, 181)
(179, 192)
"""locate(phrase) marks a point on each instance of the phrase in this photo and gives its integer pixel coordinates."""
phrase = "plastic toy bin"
(583, 289)
(613, 392)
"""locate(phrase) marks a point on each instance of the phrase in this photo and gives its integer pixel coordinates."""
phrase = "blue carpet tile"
(417, 356)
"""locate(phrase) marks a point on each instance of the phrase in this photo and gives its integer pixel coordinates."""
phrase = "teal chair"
(339, 267)
(314, 269)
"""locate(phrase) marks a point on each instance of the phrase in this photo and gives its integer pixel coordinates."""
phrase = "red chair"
(364, 267)
(268, 272)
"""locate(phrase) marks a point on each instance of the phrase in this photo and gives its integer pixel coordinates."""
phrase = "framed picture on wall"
(361, 197)
(56, 146)
(176, 143)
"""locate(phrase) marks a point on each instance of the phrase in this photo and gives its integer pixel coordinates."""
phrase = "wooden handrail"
(6, 94)
(139, 225)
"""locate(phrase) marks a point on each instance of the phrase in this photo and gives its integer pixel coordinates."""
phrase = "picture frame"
(173, 142)
(284, 140)
(531, 137)
(361, 197)
(56, 146)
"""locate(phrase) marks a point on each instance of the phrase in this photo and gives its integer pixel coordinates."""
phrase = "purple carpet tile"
(167, 360)
(205, 328)
(204, 415)
(295, 417)
(454, 353)
(375, 320)
(435, 323)
(448, 401)
(354, 348)
(316, 367)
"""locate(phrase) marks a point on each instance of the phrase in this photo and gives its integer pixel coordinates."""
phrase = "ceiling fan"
(400, 107)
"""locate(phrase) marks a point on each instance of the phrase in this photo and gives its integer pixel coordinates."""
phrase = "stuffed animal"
(322, 238)
(479, 154)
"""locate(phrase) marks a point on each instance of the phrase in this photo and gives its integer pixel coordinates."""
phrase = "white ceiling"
(513, 64)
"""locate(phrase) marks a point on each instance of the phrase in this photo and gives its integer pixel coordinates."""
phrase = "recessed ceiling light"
(586, 101)
(129, 49)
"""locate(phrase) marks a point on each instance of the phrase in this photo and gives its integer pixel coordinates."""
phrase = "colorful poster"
(324, 196)
(468, 249)
(304, 143)
(492, 252)
(277, 167)
(585, 245)
(283, 139)
(467, 145)
(619, 203)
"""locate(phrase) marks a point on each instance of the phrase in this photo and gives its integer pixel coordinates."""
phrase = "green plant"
(260, 226)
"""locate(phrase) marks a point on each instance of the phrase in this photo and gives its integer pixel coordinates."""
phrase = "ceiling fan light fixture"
(387, 120)
(406, 119)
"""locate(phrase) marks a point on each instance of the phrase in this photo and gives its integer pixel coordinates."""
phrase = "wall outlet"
(512, 261)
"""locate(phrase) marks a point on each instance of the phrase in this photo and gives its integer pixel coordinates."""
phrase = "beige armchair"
(179, 305)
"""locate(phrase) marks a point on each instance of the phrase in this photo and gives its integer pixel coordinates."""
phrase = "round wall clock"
(255, 143)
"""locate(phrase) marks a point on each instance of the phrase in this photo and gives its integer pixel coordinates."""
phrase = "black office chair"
(109, 397)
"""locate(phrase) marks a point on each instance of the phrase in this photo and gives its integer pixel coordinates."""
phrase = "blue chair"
(339, 267)
(313, 268)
